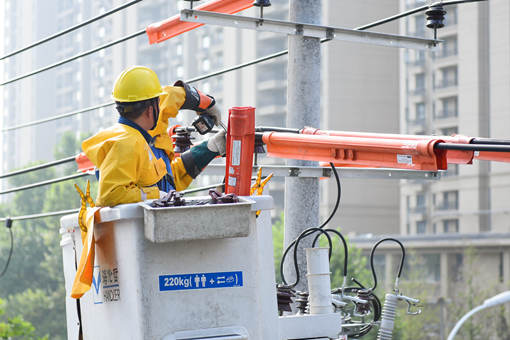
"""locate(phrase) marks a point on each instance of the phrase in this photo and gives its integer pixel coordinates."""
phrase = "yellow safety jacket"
(127, 166)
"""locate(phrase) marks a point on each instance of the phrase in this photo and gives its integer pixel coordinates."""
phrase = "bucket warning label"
(105, 285)
(200, 281)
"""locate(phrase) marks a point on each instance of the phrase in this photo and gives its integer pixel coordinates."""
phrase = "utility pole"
(303, 109)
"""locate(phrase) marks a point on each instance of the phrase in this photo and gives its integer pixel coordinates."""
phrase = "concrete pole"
(303, 105)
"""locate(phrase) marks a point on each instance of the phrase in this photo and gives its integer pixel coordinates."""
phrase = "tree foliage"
(33, 286)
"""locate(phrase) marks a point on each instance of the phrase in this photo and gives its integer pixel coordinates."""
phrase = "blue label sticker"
(200, 281)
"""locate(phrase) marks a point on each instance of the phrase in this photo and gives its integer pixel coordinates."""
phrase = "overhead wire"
(230, 69)
(70, 29)
(43, 183)
(75, 57)
(39, 167)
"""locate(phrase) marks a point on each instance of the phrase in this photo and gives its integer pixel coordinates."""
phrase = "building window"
(448, 77)
(206, 64)
(451, 226)
(451, 17)
(206, 41)
(178, 49)
(448, 200)
(420, 112)
(421, 227)
(448, 108)
(419, 84)
(448, 48)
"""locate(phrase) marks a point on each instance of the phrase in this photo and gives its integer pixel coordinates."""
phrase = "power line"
(41, 215)
(242, 65)
(64, 115)
(70, 29)
(413, 11)
(78, 56)
(39, 167)
(43, 183)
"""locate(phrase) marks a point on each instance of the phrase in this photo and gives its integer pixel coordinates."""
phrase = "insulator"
(182, 140)
(435, 16)
(262, 3)
(388, 317)
(302, 302)
(259, 144)
(284, 297)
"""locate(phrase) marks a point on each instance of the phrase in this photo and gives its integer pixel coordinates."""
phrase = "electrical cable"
(41, 215)
(70, 29)
(333, 212)
(472, 147)
(39, 167)
(400, 267)
(53, 118)
(43, 183)
(78, 56)
(236, 67)
(8, 224)
(305, 233)
(413, 11)
(346, 250)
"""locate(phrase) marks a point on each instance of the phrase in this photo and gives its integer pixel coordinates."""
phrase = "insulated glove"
(198, 101)
(218, 143)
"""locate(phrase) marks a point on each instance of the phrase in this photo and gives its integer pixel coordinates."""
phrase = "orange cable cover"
(452, 156)
(355, 151)
(171, 27)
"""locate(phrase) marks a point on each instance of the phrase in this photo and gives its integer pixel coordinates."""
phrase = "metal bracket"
(320, 171)
(308, 30)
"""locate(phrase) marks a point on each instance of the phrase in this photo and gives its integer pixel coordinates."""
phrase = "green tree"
(16, 327)
(34, 283)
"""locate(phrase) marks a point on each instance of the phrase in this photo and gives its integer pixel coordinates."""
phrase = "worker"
(135, 157)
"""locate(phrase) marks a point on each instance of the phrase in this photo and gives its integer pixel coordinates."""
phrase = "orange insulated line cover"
(354, 151)
(171, 27)
(452, 156)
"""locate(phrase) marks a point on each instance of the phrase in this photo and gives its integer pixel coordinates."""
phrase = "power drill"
(204, 123)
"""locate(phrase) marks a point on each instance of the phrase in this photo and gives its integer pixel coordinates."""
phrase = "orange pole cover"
(452, 156)
(354, 151)
(171, 27)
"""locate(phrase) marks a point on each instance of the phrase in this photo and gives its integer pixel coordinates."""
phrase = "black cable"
(70, 29)
(346, 250)
(400, 267)
(490, 141)
(78, 56)
(8, 224)
(39, 167)
(210, 75)
(412, 11)
(305, 233)
(333, 212)
(64, 115)
(43, 183)
(275, 129)
(472, 147)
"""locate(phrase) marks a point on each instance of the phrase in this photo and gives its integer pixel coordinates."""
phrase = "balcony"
(445, 54)
(443, 206)
(418, 91)
(446, 84)
(442, 114)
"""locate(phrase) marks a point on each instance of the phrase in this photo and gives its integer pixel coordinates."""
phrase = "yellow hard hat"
(136, 83)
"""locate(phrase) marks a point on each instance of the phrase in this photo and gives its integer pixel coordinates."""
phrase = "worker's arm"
(192, 162)
(119, 174)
